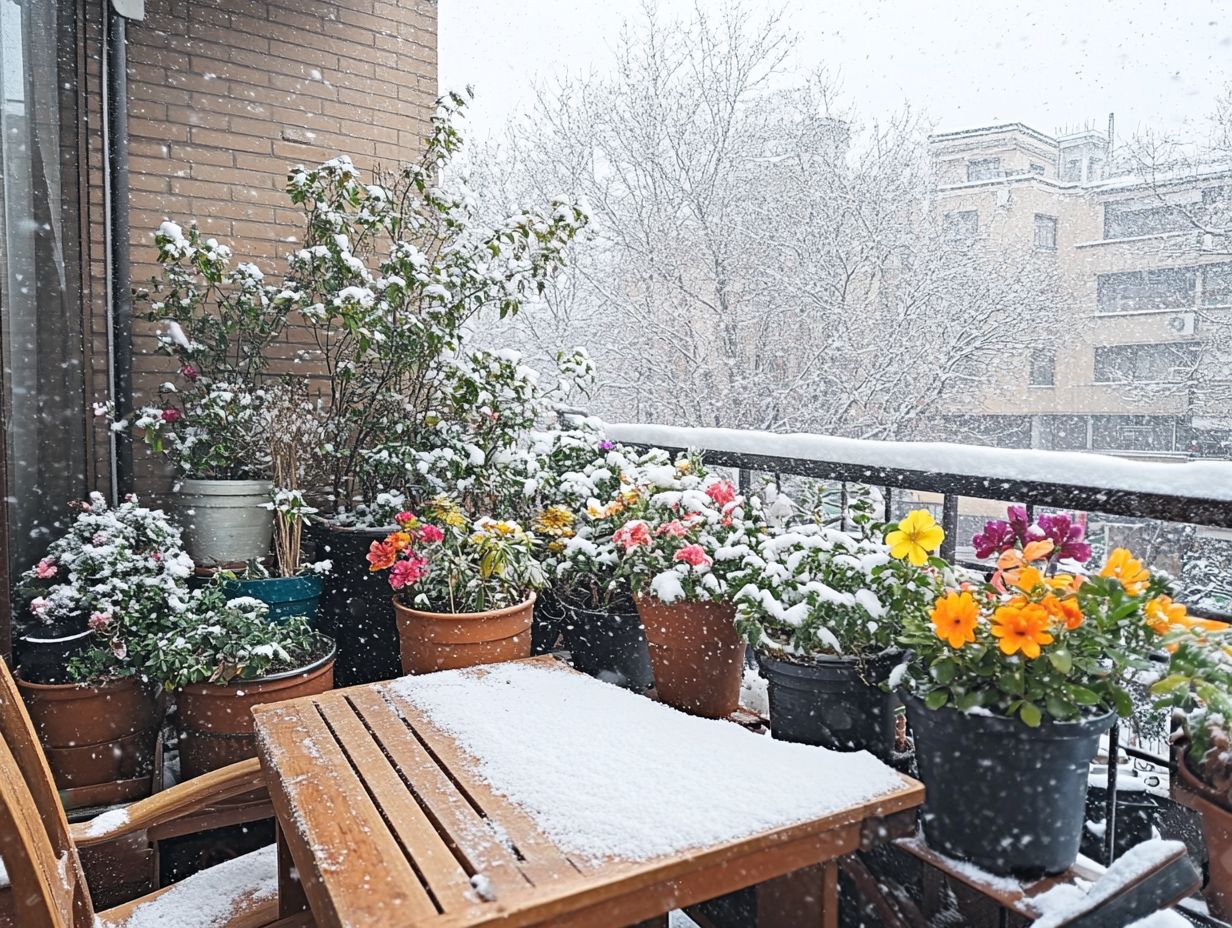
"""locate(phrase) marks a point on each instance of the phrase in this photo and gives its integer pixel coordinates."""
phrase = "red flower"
(633, 535)
(408, 571)
(381, 555)
(171, 414)
(189, 373)
(722, 492)
(430, 534)
(694, 555)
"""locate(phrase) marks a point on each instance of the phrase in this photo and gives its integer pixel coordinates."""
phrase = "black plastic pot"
(832, 702)
(609, 644)
(1006, 797)
(44, 655)
(546, 625)
(356, 609)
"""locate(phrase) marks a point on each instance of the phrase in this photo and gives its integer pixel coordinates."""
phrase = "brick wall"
(224, 96)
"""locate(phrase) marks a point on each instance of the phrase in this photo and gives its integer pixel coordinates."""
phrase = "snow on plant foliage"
(118, 572)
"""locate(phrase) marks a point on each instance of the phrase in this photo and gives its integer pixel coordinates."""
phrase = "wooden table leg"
(807, 897)
(291, 898)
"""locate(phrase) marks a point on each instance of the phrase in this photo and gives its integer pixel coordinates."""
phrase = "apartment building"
(1144, 296)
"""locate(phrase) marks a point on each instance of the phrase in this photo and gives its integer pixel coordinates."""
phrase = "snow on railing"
(1198, 492)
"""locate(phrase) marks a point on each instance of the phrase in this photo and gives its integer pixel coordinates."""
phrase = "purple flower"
(606, 445)
(1020, 525)
(1067, 535)
(997, 536)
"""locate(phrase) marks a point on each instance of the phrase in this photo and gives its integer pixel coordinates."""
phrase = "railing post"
(888, 503)
(745, 479)
(949, 522)
(1110, 795)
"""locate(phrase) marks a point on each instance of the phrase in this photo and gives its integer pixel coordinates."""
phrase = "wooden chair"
(39, 848)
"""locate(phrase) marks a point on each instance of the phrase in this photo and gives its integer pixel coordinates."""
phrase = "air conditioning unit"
(1183, 324)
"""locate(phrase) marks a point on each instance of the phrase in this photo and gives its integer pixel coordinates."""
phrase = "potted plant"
(296, 590)
(1199, 687)
(1010, 686)
(463, 589)
(824, 609)
(222, 655)
(115, 574)
(211, 422)
(599, 621)
(681, 533)
(389, 275)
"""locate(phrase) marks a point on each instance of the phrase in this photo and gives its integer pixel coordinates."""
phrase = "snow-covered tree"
(760, 258)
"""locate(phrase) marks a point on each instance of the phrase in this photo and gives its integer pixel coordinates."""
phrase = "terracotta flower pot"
(216, 726)
(1189, 790)
(696, 655)
(95, 734)
(446, 641)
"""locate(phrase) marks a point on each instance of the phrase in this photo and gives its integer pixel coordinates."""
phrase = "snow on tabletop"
(1165, 919)
(211, 897)
(607, 773)
(970, 872)
(1064, 900)
(106, 821)
(1199, 479)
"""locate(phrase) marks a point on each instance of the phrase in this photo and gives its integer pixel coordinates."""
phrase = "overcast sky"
(1053, 64)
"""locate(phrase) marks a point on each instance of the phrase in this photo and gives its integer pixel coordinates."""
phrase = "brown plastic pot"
(95, 734)
(433, 641)
(1216, 815)
(215, 721)
(696, 655)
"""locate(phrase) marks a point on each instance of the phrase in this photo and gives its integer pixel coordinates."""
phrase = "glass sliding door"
(40, 291)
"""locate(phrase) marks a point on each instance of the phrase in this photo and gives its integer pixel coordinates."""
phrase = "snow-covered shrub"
(809, 589)
(118, 572)
(217, 639)
(1199, 686)
(1037, 641)
(682, 533)
(447, 562)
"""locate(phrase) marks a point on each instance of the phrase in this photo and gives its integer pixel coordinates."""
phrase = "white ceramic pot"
(224, 521)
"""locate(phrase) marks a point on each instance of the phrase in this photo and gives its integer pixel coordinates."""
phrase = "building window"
(1063, 433)
(962, 224)
(1046, 232)
(1165, 288)
(1217, 285)
(1037, 169)
(984, 169)
(1134, 433)
(1072, 171)
(1168, 362)
(1043, 367)
(1133, 218)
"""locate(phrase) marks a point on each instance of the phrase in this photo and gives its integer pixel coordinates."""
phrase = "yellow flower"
(684, 466)
(630, 496)
(555, 520)
(1162, 613)
(915, 537)
(1123, 566)
(447, 511)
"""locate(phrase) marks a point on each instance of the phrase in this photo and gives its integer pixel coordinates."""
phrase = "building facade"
(220, 98)
(1146, 301)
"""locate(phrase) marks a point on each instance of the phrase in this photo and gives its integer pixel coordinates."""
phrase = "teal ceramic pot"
(285, 596)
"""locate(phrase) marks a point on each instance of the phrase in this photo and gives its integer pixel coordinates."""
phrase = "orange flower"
(1063, 610)
(954, 617)
(381, 555)
(1037, 550)
(1162, 613)
(1028, 579)
(1122, 566)
(1022, 628)
(398, 540)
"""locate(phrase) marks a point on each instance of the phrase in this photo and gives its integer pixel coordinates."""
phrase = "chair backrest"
(49, 888)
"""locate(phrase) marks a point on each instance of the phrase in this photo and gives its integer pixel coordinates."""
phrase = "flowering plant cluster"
(455, 564)
(117, 572)
(809, 589)
(217, 639)
(1039, 640)
(681, 533)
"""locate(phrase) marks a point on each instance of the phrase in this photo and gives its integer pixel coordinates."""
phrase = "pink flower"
(675, 528)
(693, 555)
(722, 492)
(39, 605)
(171, 414)
(99, 539)
(408, 571)
(155, 556)
(403, 518)
(189, 373)
(99, 621)
(45, 569)
(430, 534)
(119, 648)
(633, 535)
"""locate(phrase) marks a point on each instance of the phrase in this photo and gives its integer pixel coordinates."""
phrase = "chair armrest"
(187, 798)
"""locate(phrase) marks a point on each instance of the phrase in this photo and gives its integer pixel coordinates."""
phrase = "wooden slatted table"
(385, 823)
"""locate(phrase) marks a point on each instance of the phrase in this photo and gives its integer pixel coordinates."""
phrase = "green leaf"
(1122, 702)
(944, 670)
(937, 698)
(1082, 695)
(1170, 684)
(1029, 712)
(1058, 708)
(1061, 660)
